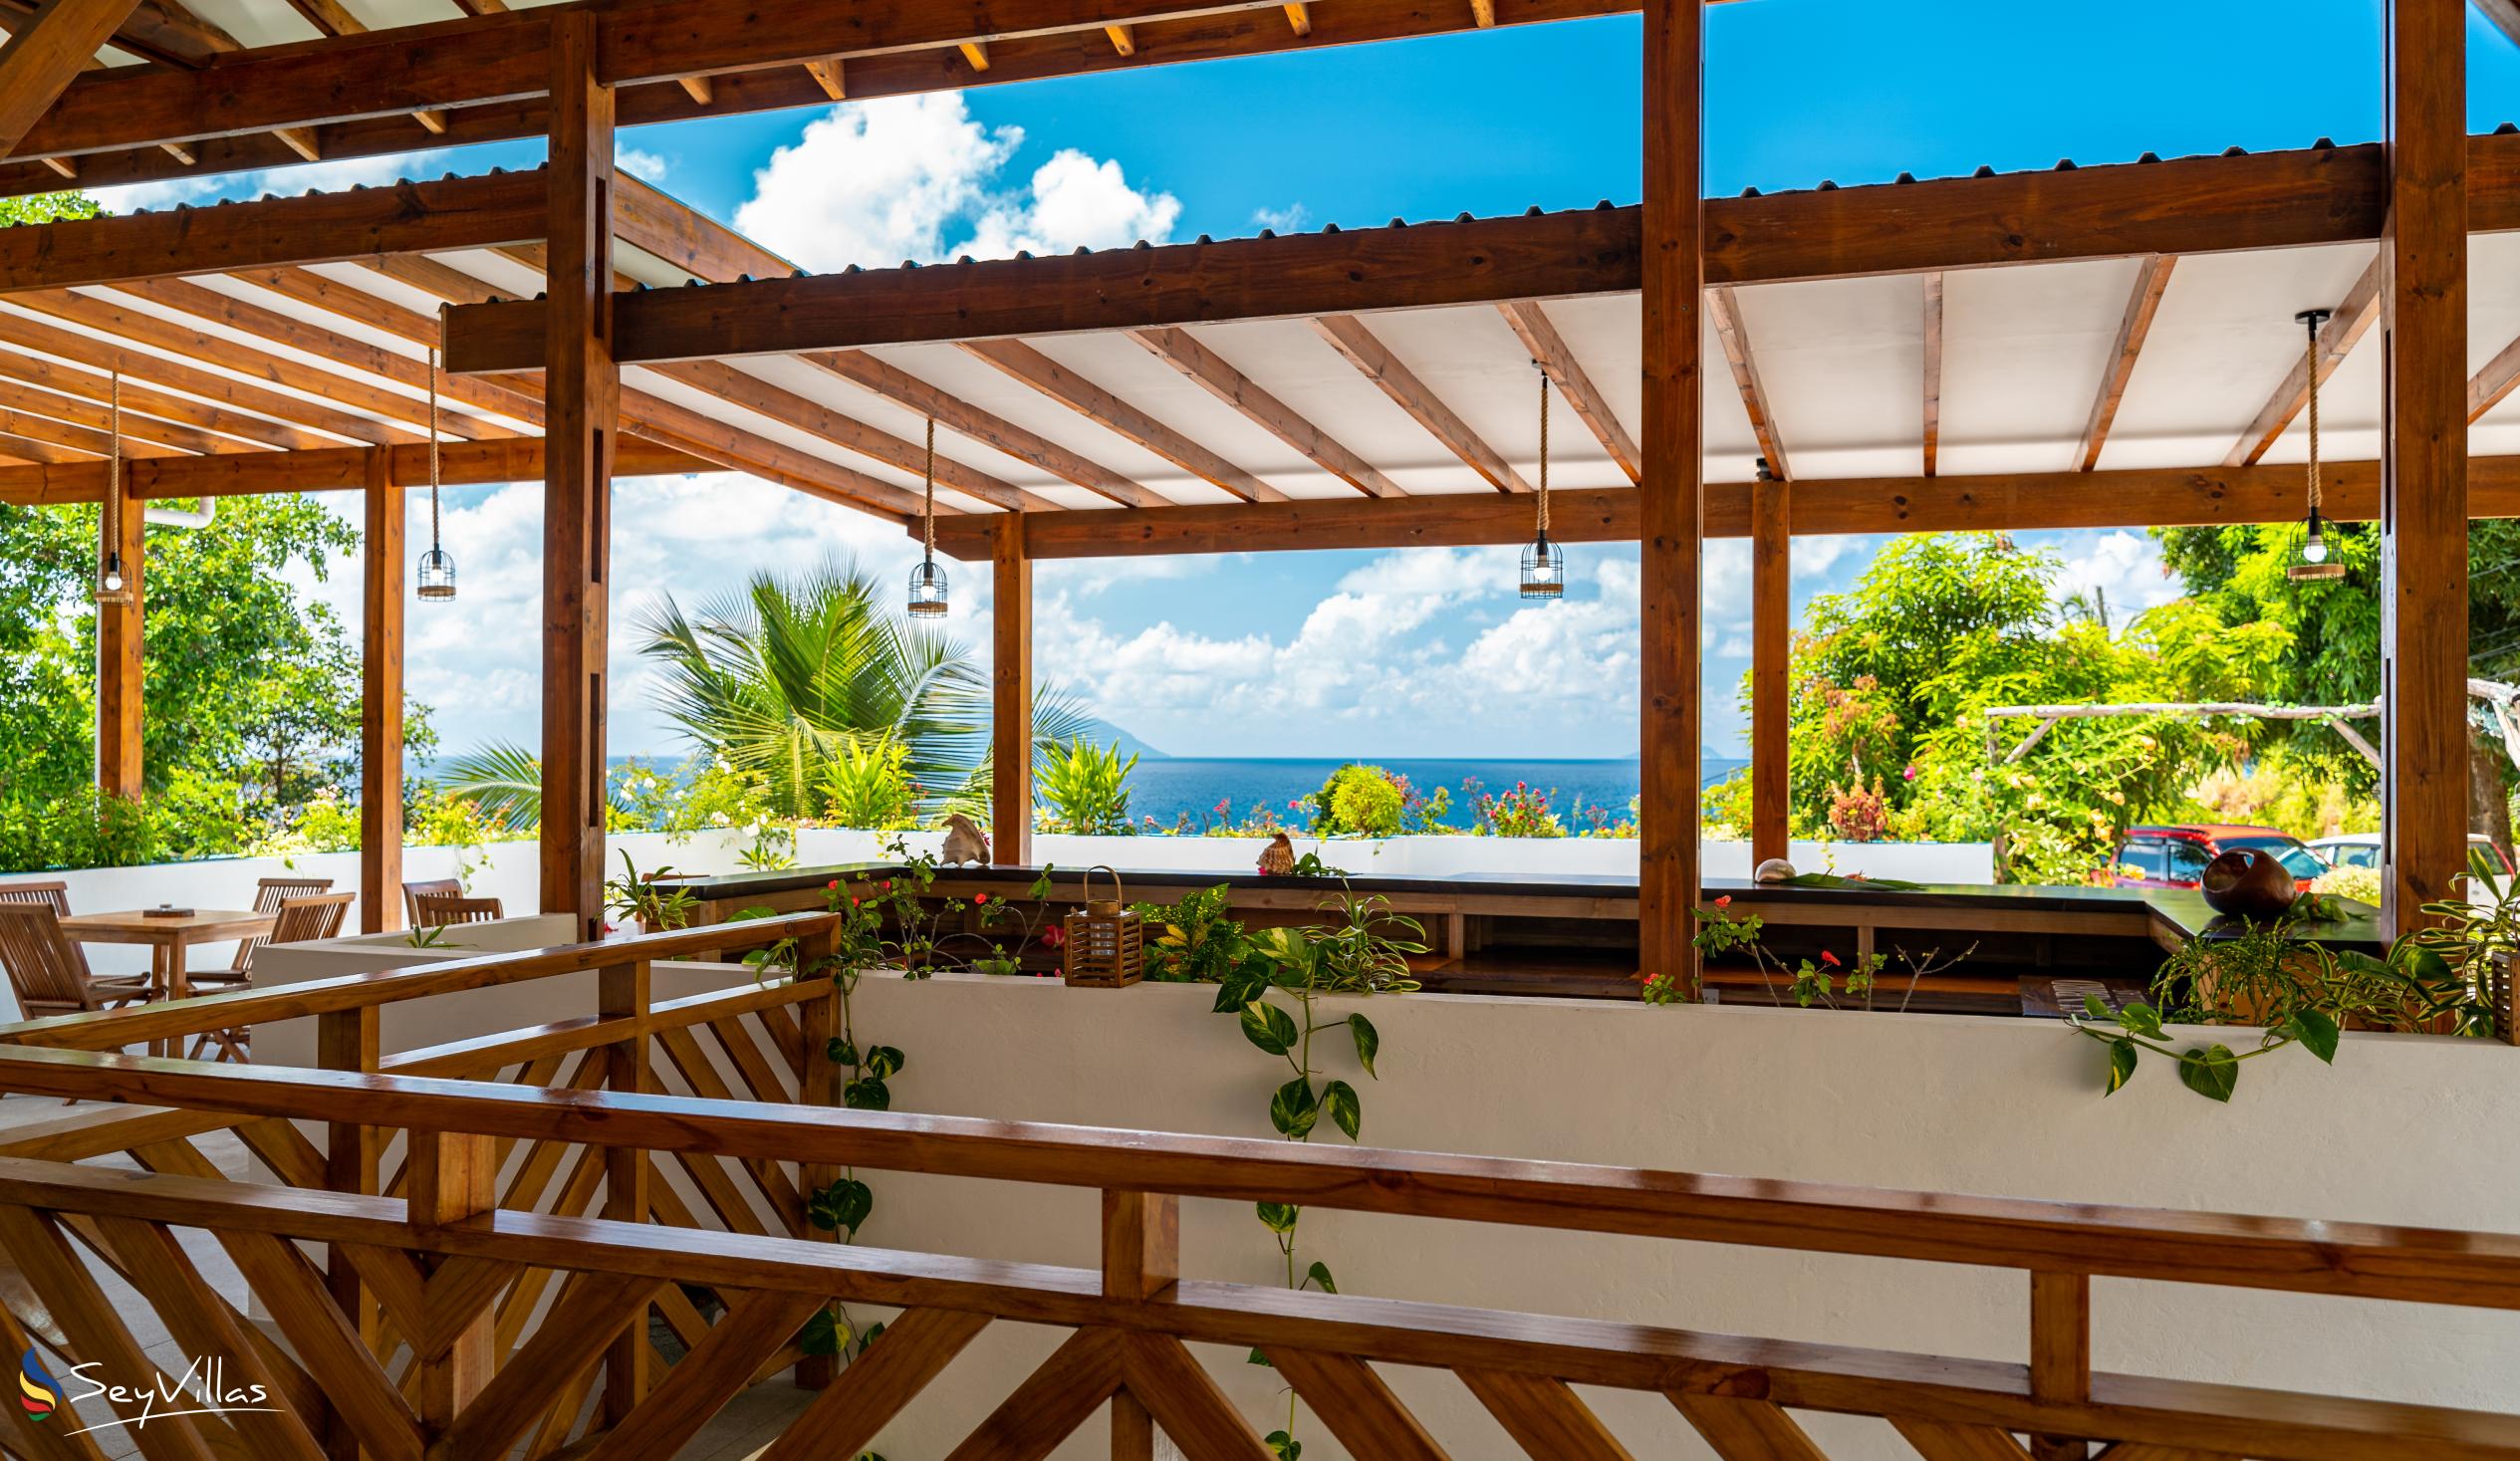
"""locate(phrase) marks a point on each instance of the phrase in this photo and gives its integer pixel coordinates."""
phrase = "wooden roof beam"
(1029, 365)
(1725, 313)
(43, 55)
(1179, 349)
(29, 426)
(2354, 316)
(2012, 502)
(2152, 276)
(234, 427)
(257, 473)
(1549, 349)
(1350, 337)
(123, 154)
(454, 213)
(98, 416)
(2488, 386)
(2504, 14)
(179, 375)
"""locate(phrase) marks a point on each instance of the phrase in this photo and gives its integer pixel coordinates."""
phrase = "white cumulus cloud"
(873, 183)
(645, 166)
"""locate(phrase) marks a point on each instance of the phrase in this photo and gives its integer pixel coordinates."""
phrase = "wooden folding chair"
(269, 895)
(294, 921)
(440, 910)
(55, 895)
(431, 887)
(47, 971)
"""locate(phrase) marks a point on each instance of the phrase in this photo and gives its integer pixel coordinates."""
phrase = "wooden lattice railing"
(418, 1336)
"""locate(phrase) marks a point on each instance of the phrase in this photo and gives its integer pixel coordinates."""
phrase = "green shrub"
(1086, 790)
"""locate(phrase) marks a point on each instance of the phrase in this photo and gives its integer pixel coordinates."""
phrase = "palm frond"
(504, 783)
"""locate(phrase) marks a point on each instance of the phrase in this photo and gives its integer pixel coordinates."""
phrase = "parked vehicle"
(2362, 850)
(2175, 856)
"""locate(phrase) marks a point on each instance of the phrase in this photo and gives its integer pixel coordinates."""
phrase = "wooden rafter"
(873, 374)
(156, 30)
(1723, 310)
(2488, 386)
(2504, 14)
(43, 55)
(334, 18)
(27, 426)
(2010, 502)
(2152, 276)
(334, 469)
(1551, 352)
(1192, 35)
(456, 213)
(1028, 365)
(1182, 351)
(2353, 317)
(1354, 340)
(1933, 373)
(141, 399)
(253, 401)
(84, 413)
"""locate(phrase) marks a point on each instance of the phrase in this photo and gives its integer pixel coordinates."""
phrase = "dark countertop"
(2182, 913)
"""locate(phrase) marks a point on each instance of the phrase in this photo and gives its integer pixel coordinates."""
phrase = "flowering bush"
(1521, 812)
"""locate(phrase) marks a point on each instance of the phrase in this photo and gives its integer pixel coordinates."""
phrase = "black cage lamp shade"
(927, 589)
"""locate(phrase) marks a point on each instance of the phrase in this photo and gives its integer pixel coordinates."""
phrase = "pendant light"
(112, 588)
(437, 567)
(2316, 563)
(927, 581)
(1544, 561)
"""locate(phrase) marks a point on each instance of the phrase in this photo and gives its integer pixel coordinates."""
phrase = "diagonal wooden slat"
(1352, 338)
(1026, 364)
(1747, 1430)
(2352, 319)
(26, 1438)
(1937, 1440)
(716, 1369)
(1544, 1416)
(196, 1317)
(1723, 311)
(552, 1433)
(2152, 277)
(1531, 324)
(572, 1337)
(762, 1079)
(456, 1294)
(327, 1342)
(286, 1150)
(704, 1081)
(1208, 371)
(2487, 387)
(1052, 1402)
(886, 1376)
(1186, 1402)
(96, 1333)
(1933, 373)
(1357, 1406)
(2149, 1451)
(395, 1283)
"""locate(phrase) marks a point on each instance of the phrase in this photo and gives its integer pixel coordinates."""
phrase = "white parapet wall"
(2399, 1131)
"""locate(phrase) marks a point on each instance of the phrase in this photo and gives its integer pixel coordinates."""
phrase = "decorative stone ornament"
(1774, 869)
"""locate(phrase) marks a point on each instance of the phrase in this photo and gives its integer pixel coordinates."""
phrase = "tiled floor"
(742, 1429)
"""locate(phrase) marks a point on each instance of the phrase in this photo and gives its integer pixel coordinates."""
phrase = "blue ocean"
(1171, 787)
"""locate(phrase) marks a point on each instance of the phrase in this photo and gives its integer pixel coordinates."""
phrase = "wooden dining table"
(168, 938)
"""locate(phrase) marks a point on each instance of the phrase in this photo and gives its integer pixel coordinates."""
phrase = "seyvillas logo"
(39, 1395)
(202, 1389)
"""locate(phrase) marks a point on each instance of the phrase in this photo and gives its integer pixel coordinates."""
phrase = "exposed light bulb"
(2316, 550)
(114, 574)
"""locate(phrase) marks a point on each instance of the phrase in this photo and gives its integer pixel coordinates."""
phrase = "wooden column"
(1142, 1259)
(1672, 498)
(2423, 494)
(582, 398)
(118, 763)
(1011, 705)
(349, 1040)
(623, 993)
(380, 703)
(452, 1176)
(1771, 682)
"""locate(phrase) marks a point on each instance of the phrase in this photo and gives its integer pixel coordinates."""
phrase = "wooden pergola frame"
(575, 73)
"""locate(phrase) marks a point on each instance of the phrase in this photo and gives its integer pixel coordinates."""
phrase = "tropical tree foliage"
(791, 678)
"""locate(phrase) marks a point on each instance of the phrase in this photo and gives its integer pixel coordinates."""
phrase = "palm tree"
(788, 674)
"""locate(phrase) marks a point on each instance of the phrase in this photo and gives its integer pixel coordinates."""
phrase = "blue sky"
(1385, 654)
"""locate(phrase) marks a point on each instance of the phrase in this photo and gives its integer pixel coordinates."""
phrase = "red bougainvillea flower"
(835, 882)
(1724, 902)
(1053, 936)
(853, 903)
(887, 885)
(1829, 958)
(1641, 977)
(978, 899)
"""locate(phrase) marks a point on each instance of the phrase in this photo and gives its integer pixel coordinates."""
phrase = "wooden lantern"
(1106, 939)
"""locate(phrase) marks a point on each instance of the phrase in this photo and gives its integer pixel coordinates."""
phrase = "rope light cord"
(2310, 360)
(929, 471)
(1544, 452)
(434, 539)
(114, 468)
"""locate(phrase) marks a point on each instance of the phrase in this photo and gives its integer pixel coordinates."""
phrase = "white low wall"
(510, 871)
(1980, 1106)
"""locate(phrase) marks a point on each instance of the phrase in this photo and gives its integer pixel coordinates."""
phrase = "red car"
(2175, 856)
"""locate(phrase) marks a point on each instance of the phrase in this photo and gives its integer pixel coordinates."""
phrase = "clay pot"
(2247, 883)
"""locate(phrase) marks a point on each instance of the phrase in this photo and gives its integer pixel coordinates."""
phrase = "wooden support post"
(380, 703)
(347, 1040)
(45, 53)
(1771, 678)
(2060, 1354)
(120, 766)
(453, 1175)
(621, 993)
(2423, 494)
(1142, 1259)
(1672, 496)
(580, 404)
(1011, 705)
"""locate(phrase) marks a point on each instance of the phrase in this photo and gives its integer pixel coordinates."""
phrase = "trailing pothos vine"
(1272, 983)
